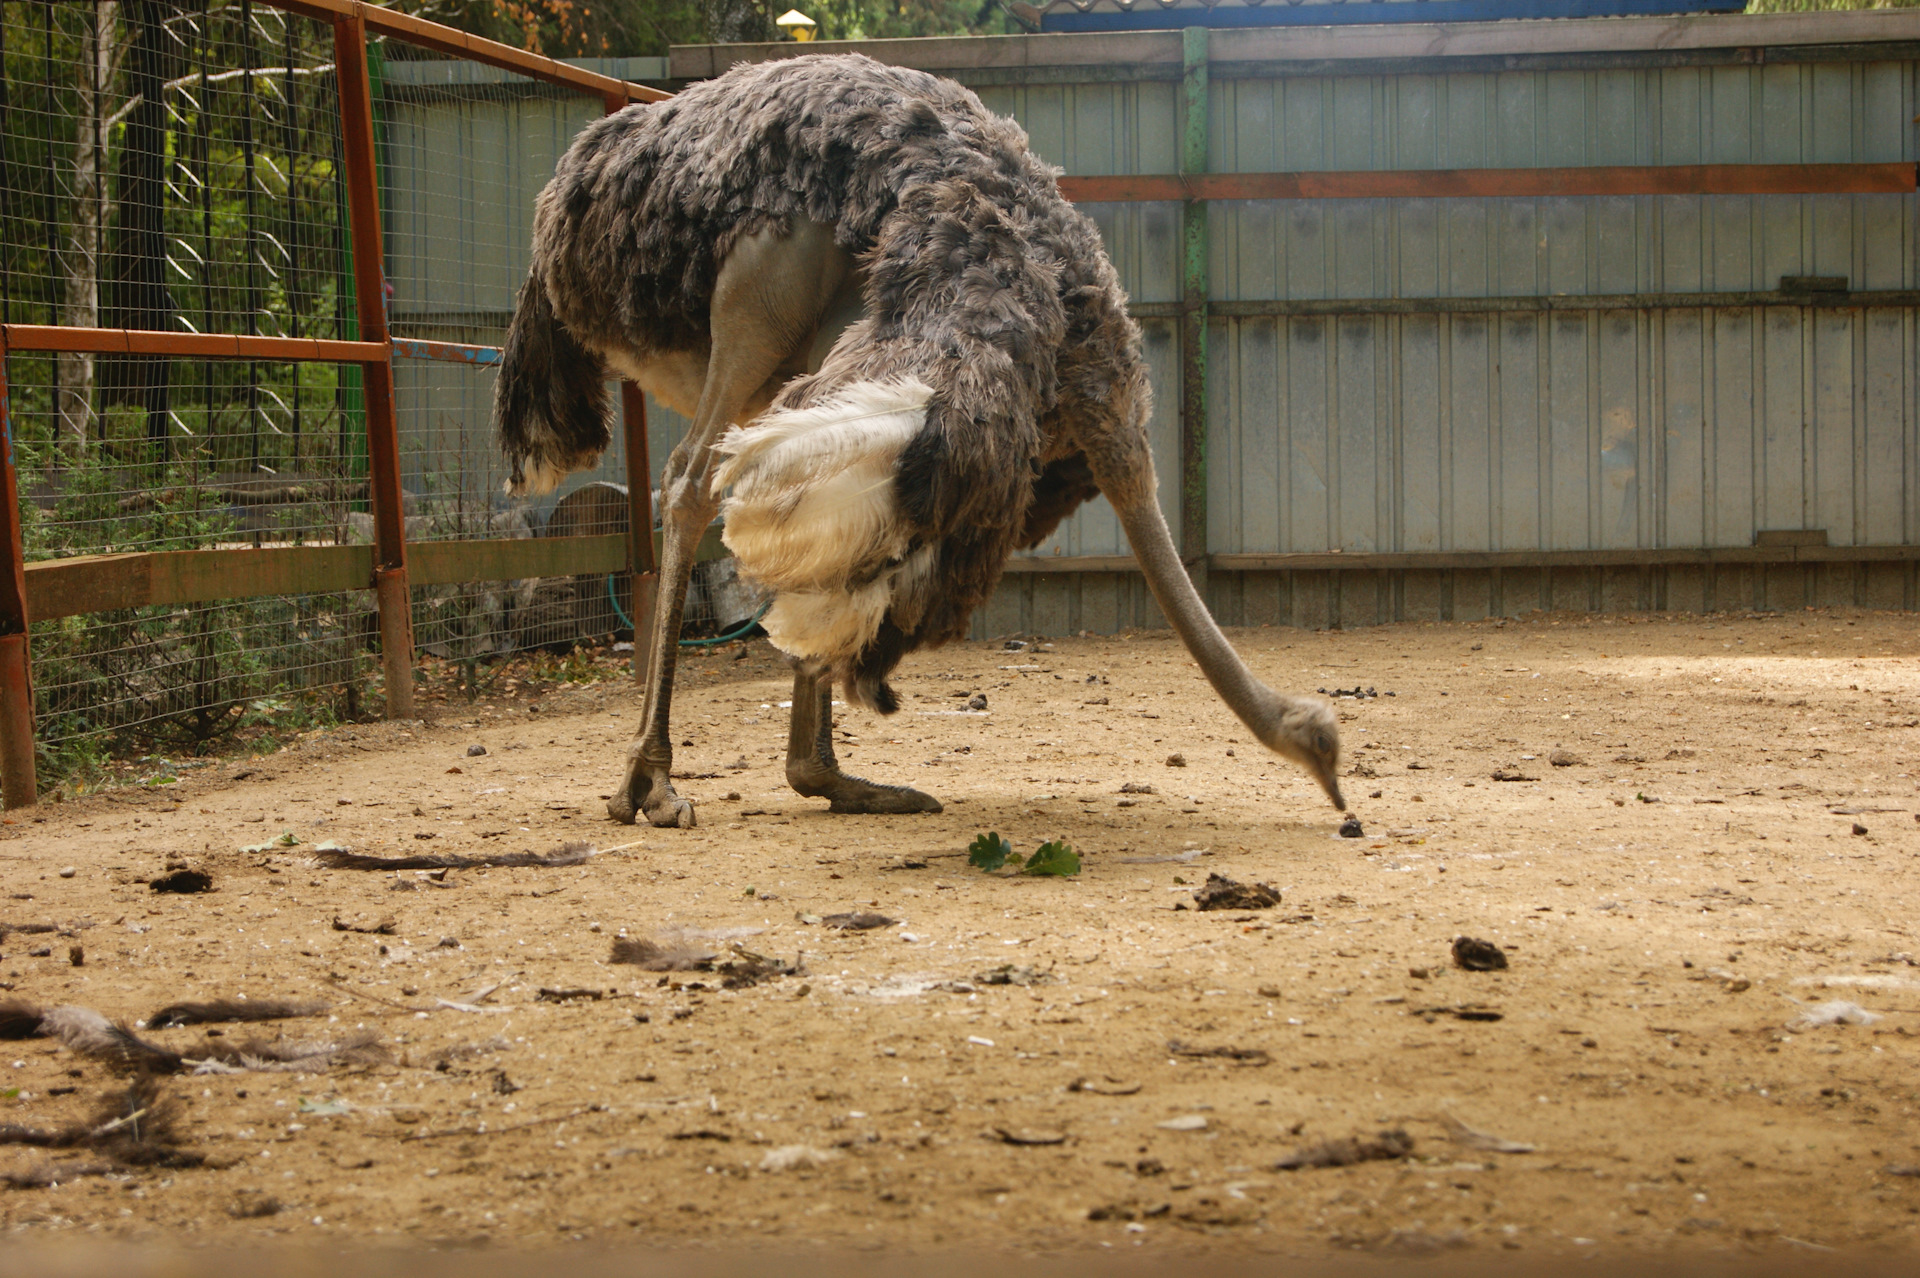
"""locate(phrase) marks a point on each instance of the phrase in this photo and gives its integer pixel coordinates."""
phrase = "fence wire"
(170, 165)
(177, 166)
(191, 678)
(240, 453)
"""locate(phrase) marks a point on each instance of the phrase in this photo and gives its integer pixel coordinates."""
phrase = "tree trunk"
(80, 299)
(136, 293)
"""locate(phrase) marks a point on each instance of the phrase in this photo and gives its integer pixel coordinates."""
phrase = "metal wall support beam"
(1193, 313)
(641, 561)
(1457, 184)
(17, 782)
(383, 431)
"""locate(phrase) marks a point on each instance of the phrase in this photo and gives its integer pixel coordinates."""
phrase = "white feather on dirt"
(1834, 1012)
(83, 1030)
(793, 1157)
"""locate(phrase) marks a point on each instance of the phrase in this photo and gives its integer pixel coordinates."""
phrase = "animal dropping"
(1478, 956)
(1222, 893)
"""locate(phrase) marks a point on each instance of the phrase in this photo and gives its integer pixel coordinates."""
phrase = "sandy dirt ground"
(1708, 827)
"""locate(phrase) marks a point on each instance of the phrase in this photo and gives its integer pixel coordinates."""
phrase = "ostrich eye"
(1323, 743)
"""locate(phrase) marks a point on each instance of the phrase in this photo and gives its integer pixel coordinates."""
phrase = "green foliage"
(1053, 857)
(645, 28)
(989, 852)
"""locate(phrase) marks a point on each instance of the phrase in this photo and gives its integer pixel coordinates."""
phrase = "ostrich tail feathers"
(814, 515)
(813, 503)
(550, 402)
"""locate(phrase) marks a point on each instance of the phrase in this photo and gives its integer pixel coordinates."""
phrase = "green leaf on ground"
(1053, 857)
(990, 852)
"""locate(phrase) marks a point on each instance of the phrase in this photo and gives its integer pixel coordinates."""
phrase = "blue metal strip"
(451, 352)
(1338, 14)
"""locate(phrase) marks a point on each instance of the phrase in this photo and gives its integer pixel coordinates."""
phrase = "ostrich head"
(1307, 731)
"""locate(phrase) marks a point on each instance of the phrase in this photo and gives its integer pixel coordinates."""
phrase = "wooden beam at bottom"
(100, 583)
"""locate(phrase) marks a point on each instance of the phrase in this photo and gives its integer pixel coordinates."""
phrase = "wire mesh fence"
(244, 453)
(170, 165)
(178, 166)
(196, 677)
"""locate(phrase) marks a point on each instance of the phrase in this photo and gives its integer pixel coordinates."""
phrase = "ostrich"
(902, 351)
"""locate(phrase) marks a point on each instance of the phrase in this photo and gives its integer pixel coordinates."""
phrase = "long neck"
(1257, 705)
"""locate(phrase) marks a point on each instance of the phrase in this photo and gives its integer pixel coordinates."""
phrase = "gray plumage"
(980, 281)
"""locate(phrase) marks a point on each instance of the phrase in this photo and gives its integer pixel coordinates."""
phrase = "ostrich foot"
(652, 795)
(856, 794)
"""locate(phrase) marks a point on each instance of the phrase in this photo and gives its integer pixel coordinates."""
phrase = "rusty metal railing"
(101, 582)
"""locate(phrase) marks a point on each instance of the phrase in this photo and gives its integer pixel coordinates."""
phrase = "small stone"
(1351, 829)
(1565, 759)
(1222, 893)
(1185, 1123)
(978, 701)
(1176, 761)
(1269, 991)
(475, 751)
(1420, 973)
(1858, 828)
(68, 871)
(252, 1204)
(76, 956)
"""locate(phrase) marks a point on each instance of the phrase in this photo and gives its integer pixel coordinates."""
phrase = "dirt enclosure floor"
(1684, 833)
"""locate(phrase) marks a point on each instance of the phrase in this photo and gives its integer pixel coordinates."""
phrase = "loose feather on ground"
(568, 854)
(228, 1010)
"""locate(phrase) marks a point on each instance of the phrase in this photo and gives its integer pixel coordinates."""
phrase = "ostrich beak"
(1331, 784)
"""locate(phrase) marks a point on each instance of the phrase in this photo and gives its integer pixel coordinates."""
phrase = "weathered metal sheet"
(461, 176)
(1810, 113)
(1558, 431)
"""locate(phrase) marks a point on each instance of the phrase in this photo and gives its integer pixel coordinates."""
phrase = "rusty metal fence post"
(17, 781)
(640, 556)
(391, 593)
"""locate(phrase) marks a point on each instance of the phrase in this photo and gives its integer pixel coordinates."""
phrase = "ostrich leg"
(767, 303)
(813, 771)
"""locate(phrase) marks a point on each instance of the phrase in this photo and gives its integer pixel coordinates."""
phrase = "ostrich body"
(901, 350)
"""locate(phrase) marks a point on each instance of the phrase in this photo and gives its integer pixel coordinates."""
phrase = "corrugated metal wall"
(1618, 427)
(1614, 428)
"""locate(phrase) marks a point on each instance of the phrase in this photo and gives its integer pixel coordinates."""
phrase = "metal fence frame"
(68, 587)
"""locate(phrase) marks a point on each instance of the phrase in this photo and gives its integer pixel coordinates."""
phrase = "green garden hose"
(738, 632)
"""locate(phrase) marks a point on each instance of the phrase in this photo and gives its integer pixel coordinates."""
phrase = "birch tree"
(99, 48)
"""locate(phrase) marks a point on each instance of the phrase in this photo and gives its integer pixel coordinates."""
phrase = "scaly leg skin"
(647, 787)
(767, 301)
(813, 771)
